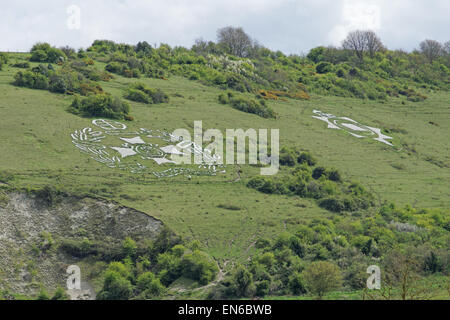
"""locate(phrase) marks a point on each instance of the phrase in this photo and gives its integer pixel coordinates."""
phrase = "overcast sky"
(292, 26)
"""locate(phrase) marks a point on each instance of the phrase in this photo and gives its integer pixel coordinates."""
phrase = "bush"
(139, 92)
(115, 287)
(322, 277)
(307, 158)
(43, 52)
(297, 284)
(148, 286)
(243, 282)
(332, 204)
(31, 80)
(244, 104)
(22, 65)
(136, 95)
(100, 105)
(3, 59)
(324, 67)
(197, 266)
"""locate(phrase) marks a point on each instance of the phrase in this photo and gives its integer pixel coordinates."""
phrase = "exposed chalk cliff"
(31, 229)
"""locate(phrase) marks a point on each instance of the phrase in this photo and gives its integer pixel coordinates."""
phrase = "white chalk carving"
(132, 145)
(353, 127)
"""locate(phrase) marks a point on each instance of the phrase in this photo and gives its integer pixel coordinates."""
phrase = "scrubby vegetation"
(242, 103)
(306, 180)
(374, 73)
(144, 269)
(310, 230)
(139, 92)
(44, 52)
(3, 59)
(333, 254)
(68, 79)
(101, 105)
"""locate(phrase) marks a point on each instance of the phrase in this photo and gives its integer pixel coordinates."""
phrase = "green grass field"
(36, 149)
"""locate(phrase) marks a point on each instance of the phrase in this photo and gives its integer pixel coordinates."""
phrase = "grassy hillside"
(36, 150)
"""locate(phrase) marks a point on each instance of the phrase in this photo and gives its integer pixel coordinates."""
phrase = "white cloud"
(356, 15)
(289, 25)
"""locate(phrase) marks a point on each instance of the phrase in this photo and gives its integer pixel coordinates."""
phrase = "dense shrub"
(258, 107)
(324, 67)
(43, 52)
(139, 92)
(100, 105)
(23, 65)
(3, 59)
(324, 185)
(31, 80)
(197, 266)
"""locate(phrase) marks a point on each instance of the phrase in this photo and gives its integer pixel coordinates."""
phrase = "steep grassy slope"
(36, 149)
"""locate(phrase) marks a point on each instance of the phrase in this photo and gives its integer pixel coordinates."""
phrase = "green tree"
(129, 248)
(243, 282)
(115, 287)
(322, 277)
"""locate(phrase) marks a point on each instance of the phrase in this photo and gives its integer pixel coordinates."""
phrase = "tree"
(360, 42)
(149, 286)
(447, 47)
(431, 49)
(373, 43)
(243, 282)
(197, 266)
(355, 42)
(129, 248)
(144, 48)
(321, 277)
(115, 287)
(401, 278)
(235, 40)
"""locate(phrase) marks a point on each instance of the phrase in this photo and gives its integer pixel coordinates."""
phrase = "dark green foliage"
(100, 105)
(297, 284)
(197, 266)
(258, 107)
(307, 158)
(324, 67)
(148, 286)
(43, 52)
(22, 65)
(139, 92)
(316, 54)
(243, 282)
(31, 80)
(115, 287)
(432, 263)
(3, 59)
(319, 183)
(67, 79)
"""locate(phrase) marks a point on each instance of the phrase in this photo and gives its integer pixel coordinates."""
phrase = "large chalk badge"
(353, 127)
(140, 151)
